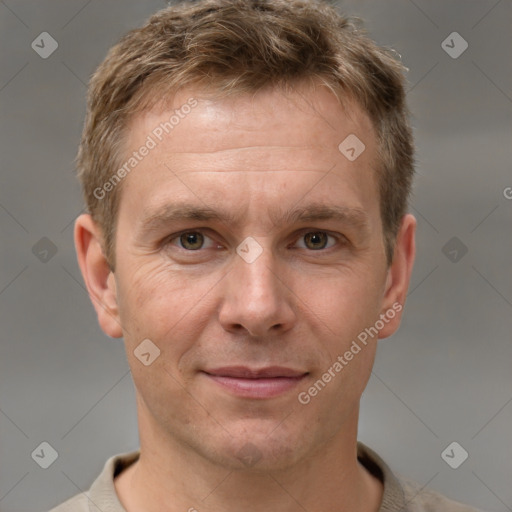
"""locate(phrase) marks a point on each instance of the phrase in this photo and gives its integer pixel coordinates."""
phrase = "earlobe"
(399, 275)
(97, 275)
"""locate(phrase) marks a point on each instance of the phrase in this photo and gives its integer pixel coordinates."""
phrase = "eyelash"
(339, 238)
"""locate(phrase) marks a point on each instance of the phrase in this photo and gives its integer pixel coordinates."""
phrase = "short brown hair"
(236, 47)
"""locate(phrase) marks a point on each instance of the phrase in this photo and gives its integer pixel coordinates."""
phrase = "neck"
(171, 477)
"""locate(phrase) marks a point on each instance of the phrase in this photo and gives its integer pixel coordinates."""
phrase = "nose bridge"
(255, 269)
(256, 299)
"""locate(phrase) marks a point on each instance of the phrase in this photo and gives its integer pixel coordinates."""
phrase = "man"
(246, 167)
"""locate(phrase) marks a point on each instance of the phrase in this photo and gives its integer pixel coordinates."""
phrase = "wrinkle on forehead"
(253, 159)
(259, 146)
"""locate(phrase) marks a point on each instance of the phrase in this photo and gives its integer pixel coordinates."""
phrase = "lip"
(256, 383)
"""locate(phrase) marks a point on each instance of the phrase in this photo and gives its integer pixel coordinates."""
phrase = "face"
(249, 250)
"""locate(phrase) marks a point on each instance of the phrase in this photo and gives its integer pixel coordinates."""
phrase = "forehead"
(266, 142)
(308, 114)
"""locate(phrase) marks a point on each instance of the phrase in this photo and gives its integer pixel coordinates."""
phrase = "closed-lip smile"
(256, 383)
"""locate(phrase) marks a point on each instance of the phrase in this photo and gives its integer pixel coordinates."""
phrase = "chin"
(261, 449)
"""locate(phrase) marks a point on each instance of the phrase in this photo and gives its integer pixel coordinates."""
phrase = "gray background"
(445, 376)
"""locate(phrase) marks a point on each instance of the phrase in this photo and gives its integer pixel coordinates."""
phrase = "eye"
(190, 240)
(316, 240)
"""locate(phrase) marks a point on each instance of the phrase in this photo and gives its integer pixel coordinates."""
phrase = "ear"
(398, 277)
(98, 277)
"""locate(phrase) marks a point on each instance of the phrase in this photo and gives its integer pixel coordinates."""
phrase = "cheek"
(343, 392)
(160, 305)
(163, 304)
(344, 302)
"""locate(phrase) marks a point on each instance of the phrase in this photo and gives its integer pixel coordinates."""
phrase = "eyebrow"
(161, 217)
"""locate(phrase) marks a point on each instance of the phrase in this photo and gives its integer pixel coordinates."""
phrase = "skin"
(296, 305)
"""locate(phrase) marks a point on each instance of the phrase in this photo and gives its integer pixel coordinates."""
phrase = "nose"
(257, 298)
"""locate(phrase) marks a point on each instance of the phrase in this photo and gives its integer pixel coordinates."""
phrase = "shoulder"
(76, 504)
(402, 494)
(101, 497)
(421, 499)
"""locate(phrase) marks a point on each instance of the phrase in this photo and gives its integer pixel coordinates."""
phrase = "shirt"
(399, 495)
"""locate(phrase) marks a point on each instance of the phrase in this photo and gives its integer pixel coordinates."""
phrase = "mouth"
(256, 383)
